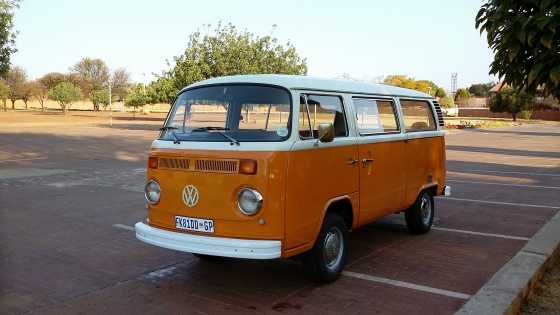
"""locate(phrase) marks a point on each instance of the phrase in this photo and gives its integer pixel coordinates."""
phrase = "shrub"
(447, 102)
(512, 102)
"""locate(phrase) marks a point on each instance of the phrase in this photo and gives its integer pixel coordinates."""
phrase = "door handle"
(364, 161)
(352, 162)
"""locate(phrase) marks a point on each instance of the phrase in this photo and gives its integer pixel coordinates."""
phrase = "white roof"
(298, 82)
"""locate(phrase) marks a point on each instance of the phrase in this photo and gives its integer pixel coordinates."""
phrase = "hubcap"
(425, 209)
(333, 247)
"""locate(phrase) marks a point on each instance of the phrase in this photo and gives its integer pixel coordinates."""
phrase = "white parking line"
(510, 237)
(408, 285)
(502, 184)
(27, 159)
(123, 226)
(506, 172)
(499, 203)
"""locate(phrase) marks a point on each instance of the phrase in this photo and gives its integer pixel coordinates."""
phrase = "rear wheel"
(420, 216)
(325, 261)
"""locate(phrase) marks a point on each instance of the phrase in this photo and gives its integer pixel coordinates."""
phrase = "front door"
(381, 147)
(317, 171)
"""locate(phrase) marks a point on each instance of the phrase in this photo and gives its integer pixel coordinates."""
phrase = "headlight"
(152, 192)
(249, 201)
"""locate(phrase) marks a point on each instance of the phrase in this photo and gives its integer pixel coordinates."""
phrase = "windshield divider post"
(267, 117)
(308, 115)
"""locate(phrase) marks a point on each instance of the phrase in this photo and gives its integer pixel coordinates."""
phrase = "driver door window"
(317, 109)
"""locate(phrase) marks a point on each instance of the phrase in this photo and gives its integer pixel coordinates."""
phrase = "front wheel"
(325, 261)
(420, 216)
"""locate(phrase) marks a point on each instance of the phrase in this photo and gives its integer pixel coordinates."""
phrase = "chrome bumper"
(209, 245)
(446, 191)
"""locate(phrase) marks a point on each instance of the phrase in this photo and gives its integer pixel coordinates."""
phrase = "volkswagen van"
(276, 166)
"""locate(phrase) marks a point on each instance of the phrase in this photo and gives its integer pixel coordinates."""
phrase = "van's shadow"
(513, 152)
(273, 281)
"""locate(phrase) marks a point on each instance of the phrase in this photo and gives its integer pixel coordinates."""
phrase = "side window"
(418, 115)
(321, 109)
(375, 116)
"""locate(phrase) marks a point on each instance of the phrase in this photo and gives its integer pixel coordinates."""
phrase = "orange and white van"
(274, 166)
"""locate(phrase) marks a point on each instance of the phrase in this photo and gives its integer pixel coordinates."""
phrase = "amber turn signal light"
(248, 167)
(152, 162)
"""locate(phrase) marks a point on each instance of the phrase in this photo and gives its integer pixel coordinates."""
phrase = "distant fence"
(475, 102)
(485, 112)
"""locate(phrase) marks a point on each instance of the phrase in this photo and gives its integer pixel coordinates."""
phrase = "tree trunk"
(25, 102)
(514, 116)
(13, 104)
(42, 102)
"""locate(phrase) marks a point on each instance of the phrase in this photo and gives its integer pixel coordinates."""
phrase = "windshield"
(230, 113)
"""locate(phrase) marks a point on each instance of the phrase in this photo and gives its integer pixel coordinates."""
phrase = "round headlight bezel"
(258, 200)
(146, 192)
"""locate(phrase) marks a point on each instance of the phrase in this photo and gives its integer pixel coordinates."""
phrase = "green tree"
(4, 93)
(511, 101)
(16, 80)
(90, 75)
(7, 34)
(403, 81)
(525, 37)
(161, 90)
(447, 102)
(100, 97)
(137, 98)
(462, 94)
(481, 89)
(440, 92)
(228, 51)
(65, 93)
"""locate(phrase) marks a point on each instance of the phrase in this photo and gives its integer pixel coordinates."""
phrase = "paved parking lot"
(70, 193)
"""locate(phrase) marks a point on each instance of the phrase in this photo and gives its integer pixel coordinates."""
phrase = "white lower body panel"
(209, 245)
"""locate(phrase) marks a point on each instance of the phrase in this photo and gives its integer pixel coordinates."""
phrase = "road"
(70, 192)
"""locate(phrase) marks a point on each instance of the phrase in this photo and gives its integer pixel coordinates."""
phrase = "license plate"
(194, 224)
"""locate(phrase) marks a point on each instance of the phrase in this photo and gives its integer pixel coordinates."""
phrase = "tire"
(326, 260)
(420, 216)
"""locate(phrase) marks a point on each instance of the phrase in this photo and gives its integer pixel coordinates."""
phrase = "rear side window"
(317, 109)
(375, 116)
(417, 115)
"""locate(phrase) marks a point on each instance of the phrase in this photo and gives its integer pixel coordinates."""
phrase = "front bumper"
(209, 245)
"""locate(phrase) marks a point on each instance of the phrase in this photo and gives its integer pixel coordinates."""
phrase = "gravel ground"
(546, 300)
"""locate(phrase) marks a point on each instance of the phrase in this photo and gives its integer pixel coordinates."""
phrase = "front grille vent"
(174, 163)
(439, 113)
(217, 166)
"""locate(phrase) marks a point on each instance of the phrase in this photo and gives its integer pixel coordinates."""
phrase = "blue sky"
(426, 39)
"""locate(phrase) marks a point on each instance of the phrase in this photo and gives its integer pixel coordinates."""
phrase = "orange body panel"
(298, 187)
(425, 166)
(218, 194)
(316, 177)
(383, 180)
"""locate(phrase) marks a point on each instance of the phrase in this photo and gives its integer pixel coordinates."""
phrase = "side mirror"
(326, 132)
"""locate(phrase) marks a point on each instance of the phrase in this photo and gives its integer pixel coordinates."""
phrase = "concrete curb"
(515, 281)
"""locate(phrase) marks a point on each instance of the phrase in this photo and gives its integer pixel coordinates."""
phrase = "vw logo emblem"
(190, 196)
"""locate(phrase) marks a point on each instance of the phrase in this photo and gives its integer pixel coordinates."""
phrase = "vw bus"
(276, 166)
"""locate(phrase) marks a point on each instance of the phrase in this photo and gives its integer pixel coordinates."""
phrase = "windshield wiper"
(209, 128)
(231, 139)
(170, 128)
